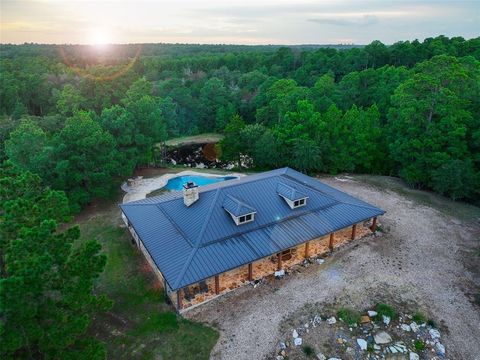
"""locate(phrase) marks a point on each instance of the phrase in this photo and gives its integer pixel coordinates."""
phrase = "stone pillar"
(331, 241)
(250, 272)
(354, 231)
(179, 299)
(217, 284)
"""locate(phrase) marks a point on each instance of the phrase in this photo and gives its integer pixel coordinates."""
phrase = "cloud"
(364, 21)
(236, 21)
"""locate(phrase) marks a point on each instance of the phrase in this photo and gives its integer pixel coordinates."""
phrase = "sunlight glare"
(99, 37)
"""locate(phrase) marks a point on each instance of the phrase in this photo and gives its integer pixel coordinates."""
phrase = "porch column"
(250, 272)
(279, 261)
(307, 248)
(374, 224)
(330, 242)
(354, 231)
(179, 299)
(217, 284)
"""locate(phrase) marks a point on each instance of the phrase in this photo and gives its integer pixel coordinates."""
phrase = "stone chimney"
(190, 193)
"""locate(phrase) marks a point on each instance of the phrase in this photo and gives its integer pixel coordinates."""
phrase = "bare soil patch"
(425, 260)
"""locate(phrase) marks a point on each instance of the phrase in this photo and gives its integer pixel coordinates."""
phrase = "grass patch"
(385, 310)
(419, 318)
(419, 345)
(161, 322)
(308, 350)
(351, 317)
(140, 324)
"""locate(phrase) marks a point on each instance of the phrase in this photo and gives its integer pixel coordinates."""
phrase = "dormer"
(240, 212)
(293, 197)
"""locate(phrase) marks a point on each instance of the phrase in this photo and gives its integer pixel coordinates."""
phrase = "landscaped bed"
(377, 333)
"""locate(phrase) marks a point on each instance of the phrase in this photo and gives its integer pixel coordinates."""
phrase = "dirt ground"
(428, 259)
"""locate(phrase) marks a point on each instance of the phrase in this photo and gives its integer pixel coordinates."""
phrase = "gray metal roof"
(190, 244)
(290, 192)
(236, 207)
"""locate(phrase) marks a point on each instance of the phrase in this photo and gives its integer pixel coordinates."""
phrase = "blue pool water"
(176, 183)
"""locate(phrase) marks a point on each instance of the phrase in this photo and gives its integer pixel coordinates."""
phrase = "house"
(206, 241)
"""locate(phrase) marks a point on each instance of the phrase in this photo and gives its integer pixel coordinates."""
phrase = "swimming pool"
(176, 183)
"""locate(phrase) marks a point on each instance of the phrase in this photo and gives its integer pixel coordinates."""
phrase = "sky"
(234, 21)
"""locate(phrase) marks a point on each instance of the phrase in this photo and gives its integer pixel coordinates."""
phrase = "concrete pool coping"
(143, 187)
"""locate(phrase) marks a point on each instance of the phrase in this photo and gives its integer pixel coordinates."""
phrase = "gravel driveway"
(426, 258)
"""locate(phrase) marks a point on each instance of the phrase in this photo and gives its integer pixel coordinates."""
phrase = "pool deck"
(143, 187)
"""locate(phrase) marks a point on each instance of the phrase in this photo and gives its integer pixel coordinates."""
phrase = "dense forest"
(82, 117)
(76, 120)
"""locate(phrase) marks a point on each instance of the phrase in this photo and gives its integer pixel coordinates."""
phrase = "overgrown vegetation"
(385, 310)
(308, 350)
(419, 345)
(419, 318)
(351, 317)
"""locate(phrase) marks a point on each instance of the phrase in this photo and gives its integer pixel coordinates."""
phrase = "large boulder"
(382, 338)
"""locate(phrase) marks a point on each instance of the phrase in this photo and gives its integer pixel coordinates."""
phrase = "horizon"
(267, 22)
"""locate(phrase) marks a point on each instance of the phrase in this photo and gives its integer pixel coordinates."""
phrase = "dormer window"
(240, 212)
(299, 202)
(292, 196)
(246, 218)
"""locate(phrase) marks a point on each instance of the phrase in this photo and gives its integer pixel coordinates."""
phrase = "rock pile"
(374, 337)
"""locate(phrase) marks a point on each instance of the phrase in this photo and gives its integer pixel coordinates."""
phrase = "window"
(245, 218)
(299, 202)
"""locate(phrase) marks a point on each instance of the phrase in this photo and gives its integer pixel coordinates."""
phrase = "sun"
(99, 37)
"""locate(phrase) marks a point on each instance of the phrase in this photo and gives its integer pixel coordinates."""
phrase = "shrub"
(419, 318)
(385, 310)
(432, 323)
(477, 298)
(351, 317)
(419, 345)
(308, 350)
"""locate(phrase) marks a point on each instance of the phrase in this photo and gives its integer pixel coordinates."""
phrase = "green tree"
(305, 155)
(87, 161)
(25, 146)
(69, 100)
(266, 152)
(232, 143)
(215, 101)
(431, 121)
(47, 283)
(281, 97)
(148, 127)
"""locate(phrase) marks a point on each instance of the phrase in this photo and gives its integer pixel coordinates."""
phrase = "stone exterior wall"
(264, 267)
(200, 292)
(318, 246)
(235, 278)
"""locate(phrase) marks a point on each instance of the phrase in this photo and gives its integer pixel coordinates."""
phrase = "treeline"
(409, 109)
